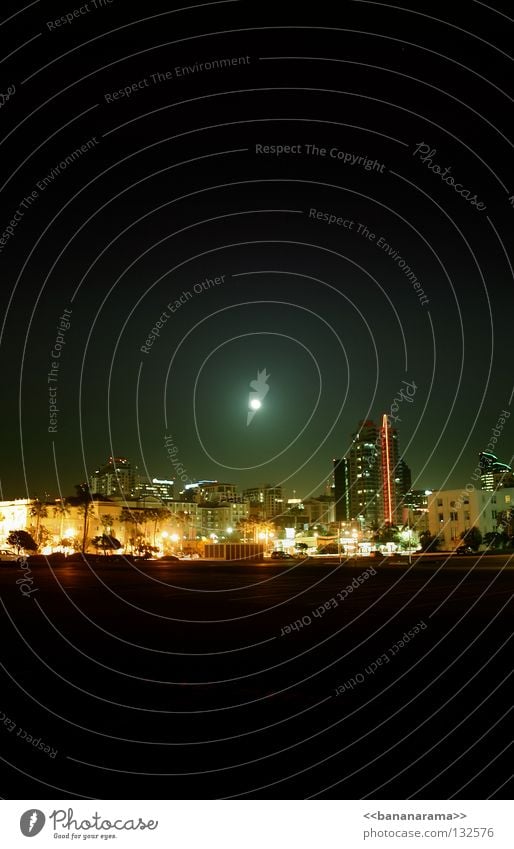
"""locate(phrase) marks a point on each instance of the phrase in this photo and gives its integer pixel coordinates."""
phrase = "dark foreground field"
(192, 680)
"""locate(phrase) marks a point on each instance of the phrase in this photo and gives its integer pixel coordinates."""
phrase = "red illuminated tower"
(389, 461)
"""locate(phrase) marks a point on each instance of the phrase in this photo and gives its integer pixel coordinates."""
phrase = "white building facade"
(451, 512)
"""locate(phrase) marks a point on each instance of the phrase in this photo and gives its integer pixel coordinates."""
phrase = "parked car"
(168, 558)
(8, 556)
(281, 555)
(464, 549)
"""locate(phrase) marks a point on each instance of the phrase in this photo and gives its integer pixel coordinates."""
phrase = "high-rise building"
(153, 488)
(115, 478)
(119, 479)
(414, 509)
(370, 481)
(494, 474)
(267, 500)
(403, 478)
(364, 474)
(341, 489)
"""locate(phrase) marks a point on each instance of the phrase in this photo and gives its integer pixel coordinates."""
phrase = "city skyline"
(496, 469)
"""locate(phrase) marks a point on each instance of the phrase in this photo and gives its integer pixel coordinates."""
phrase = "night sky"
(172, 189)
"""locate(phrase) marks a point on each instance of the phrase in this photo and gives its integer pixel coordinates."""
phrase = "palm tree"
(84, 500)
(157, 515)
(130, 517)
(106, 522)
(61, 509)
(38, 511)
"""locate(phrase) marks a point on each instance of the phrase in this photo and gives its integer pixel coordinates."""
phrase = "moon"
(255, 404)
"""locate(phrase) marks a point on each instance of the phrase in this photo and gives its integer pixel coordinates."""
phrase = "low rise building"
(451, 512)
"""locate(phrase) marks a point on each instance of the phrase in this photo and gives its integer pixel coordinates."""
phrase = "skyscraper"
(494, 474)
(364, 474)
(403, 479)
(267, 500)
(115, 478)
(370, 480)
(341, 489)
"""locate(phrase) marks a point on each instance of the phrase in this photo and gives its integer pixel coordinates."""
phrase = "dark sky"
(172, 191)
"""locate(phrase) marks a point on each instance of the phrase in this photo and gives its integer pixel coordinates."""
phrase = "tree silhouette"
(39, 511)
(22, 539)
(106, 543)
(472, 537)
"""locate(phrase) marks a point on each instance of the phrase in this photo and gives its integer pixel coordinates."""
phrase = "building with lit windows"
(266, 501)
(370, 480)
(162, 490)
(494, 474)
(213, 492)
(454, 511)
(320, 510)
(116, 478)
(414, 509)
(222, 520)
(364, 475)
